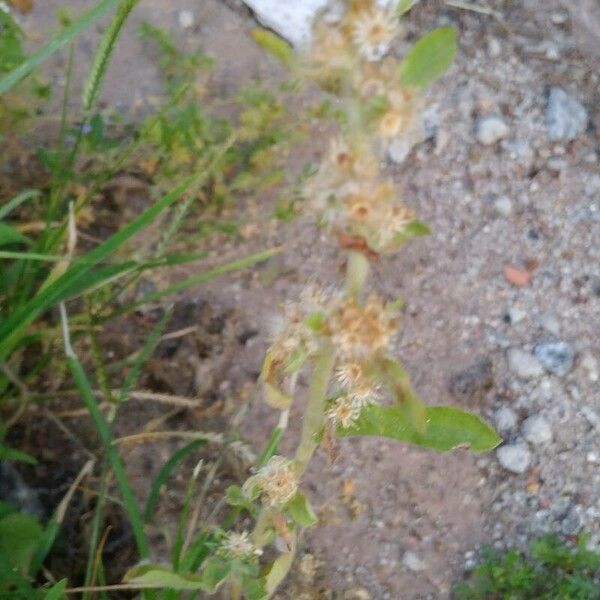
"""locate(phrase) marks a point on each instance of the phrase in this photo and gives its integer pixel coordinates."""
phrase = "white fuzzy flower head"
(344, 412)
(373, 31)
(360, 331)
(358, 384)
(278, 481)
(240, 546)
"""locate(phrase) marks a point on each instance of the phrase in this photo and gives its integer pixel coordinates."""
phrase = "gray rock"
(398, 150)
(536, 430)
(471, 383)
(550, 323)
(413, 562)
(524, 364)
(514, 457)
(503, 206)
(516, 314)
(556, 357)
(572, 522)
(185, 19)
(566, 117)
(505, 419)
(490, 130)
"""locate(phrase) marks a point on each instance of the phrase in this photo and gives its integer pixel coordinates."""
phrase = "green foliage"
(429, 58)
(552, 570)
(274, 45)
(446, 428)
(11, 43)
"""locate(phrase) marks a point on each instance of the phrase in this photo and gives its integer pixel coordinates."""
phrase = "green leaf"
(235, 497)
(278, 571)
(301, 511)
(404, 395)
(416, 229)
(55, 44)
(160, 576)
(8, 235)
(17, 201)
(254, 589)
(57, 591)
(405, 6)
(7, 453)
(19, 537)
(429, 58)
(165, 473)
(274, 45)
(446, 428)
(270, 448)
(215, 571)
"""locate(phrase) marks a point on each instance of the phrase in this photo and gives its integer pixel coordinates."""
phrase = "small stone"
(185, 19)
(503, 206)
(592, 457)
(505, 419)
(590, 364)
(524, 364)
(536, 430)
(490, 130)
(516, 314)
(514, 457)
(471, 383)
(572, 522)
(357, 594)
(398, 150)
(556, 357)
(494, 47)
(413, 562)
(566, 117)
(550, 323)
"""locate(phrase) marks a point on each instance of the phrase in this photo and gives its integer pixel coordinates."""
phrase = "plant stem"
(357, 270)
(314, 415)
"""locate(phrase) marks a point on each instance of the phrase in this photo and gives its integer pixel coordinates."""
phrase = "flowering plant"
(357, 387)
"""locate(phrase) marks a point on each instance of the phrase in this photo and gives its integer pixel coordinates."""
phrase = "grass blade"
(55, 44)
(164, 474)
(17, 201)
(14, 326)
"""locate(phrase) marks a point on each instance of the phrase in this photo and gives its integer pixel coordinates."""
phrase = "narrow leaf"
(7, 453)
(160, 576)
(447, 428)
(274, 45)
(429, 58)
(215, 571)
(57, 591)
(278, 571)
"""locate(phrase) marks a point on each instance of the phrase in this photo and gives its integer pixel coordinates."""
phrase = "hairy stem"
(314, 415)
(357, 270)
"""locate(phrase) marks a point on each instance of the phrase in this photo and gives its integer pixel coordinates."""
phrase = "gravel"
(490, 130)
(514, 457)
(505, 419)
(555, 357)
(503, 206)
(566, 117)
(413, 561)
(524, 364)
(536, 430)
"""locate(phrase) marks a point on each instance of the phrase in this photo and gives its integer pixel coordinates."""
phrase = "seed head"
(358, 384)
(344, 412)
(373, 30)
(239, 545)
(360, 331)
(278, 481)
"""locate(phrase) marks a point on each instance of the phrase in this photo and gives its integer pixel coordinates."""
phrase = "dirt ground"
(399, 522)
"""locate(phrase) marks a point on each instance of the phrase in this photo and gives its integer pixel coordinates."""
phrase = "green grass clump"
(551, 570)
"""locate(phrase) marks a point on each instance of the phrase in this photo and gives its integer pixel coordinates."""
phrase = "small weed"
(551, 570)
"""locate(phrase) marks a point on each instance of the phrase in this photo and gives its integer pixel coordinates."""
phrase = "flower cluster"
(239, 546)
(276, 482)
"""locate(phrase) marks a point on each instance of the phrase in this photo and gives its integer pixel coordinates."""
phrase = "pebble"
(471, 383)
(413, 562)
(505, 419)
(550, 323)
(185, 19)
(494, 47)
(590, 364)
(357, 594)
(566, 117)
(536, 430)
(503, 206)
(398, 150)
(514, 457)
(556, 357)
(490, 130)
(516, 314)
(572, 522)
(524, 364)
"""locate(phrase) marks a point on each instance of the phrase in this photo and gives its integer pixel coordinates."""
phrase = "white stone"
(503, 206)
(185, 18)
(291, 20)
(550, 323)
(494, 47)
(514, 457)
(516, 314)
(490, 130)
(505, 419)
(398, 150)
(413, 562)
(536, 430)
(524, 364)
